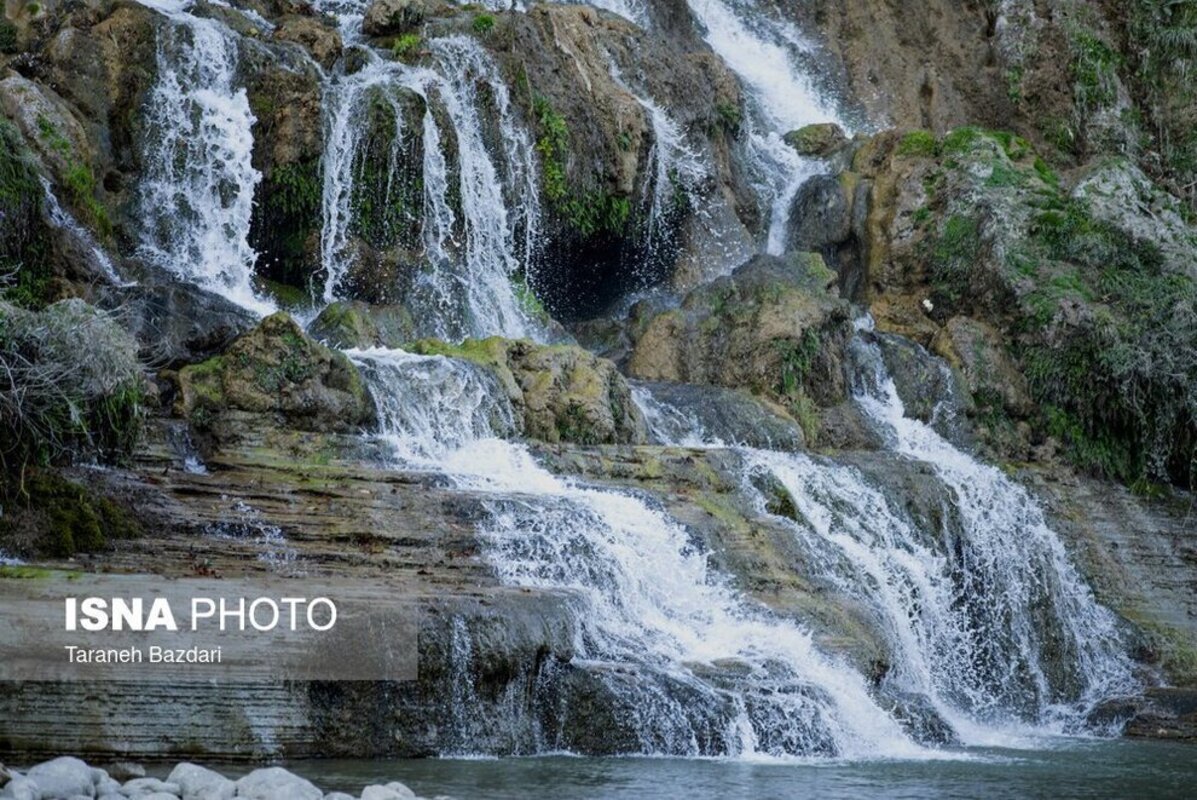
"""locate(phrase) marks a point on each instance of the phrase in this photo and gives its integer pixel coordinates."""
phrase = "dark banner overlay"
(67, 626)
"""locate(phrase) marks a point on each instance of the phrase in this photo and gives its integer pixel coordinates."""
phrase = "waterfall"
(198, 183)
(675, 167)
(1041, 649)
(470, 251)
(987, 619)
(760, 47)
(716, 674)
(63, 220)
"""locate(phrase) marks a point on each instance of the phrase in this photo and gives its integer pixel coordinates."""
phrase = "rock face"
(972, 239)
(583, 86)
(386, 17)
(276, 372)
(561, 392)
(775, 326)
(818, 140)
(732, 417)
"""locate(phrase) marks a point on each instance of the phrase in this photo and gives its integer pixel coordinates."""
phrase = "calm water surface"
(1067, 769)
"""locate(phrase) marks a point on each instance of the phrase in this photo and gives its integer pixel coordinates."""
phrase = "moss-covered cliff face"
(1077, 79)
(1067, 299)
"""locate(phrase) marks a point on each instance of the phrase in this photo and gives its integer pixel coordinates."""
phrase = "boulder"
(775, 327)
(984, 361)
(277, 372)
(46, 121)
(817, 141)
(389, 17)
(21, 789)
(355, 324)
(562, 392)
(276, 783)
(323, 42)
(63, 777)
(198, 783)
(176, 323)
(391, 791)
(726, 415)
(137, 788)
(820, 217)
(125, 770)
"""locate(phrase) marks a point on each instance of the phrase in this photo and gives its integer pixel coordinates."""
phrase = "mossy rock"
(817, 141)
(51, 516)
(775, 327)
(563, 392)
(354, 324)
(279, 372)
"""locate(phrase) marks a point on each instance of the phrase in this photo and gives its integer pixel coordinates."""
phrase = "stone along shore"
(68, 778)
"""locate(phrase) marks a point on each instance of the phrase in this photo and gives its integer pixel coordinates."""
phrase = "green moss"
(22, 572)
(954, 255)
(483, 24)
(406, 46)
(918, 144)
(961, 140)
(728, 117)
(486, 352)
(8, 37)
(528, 300)
(61, 518)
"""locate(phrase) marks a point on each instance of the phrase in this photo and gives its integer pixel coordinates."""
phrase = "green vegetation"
(796, 361)
(954, 255)
(79, 179)
(1094, 71)
(24, 275)
(1162, 73)
(528, 300)
(406, 46)
(1116, 383)
(553, 146)
(589, 214)
(58, 518)
(70, 384)
(483, 24)
(729, 117)
(8, 36)
(918, 144)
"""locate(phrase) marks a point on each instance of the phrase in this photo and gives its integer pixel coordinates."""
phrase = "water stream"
(197, 188)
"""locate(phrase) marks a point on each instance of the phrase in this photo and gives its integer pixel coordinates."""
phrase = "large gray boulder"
(199, 783)
(276, 783)
(176, 323)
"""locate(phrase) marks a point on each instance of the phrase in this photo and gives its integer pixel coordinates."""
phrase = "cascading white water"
(347, 103)
(465, 287)
(760, 47)
(1041, 648)
(675, 167)
(198, 184)
(717, 674)
(990, 622)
